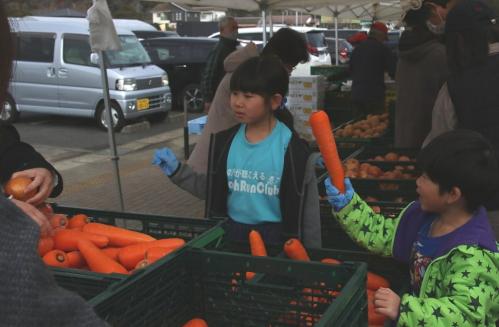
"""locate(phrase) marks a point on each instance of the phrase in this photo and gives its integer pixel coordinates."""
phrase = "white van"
(53, 74)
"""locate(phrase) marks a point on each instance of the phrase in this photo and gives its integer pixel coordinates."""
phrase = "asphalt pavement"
(89, 178)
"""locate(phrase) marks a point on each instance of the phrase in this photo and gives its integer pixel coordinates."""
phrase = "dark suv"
(183, 59)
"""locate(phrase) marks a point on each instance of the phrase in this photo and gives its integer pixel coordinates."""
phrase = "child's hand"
(387, 303)
(336, 199)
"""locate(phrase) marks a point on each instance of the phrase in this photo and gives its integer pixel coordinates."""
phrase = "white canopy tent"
(353, 9)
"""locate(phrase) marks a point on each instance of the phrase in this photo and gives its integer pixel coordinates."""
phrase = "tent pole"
(296, 18)
(336, 35)
(110, 132)
(264, 27)
(271, 24)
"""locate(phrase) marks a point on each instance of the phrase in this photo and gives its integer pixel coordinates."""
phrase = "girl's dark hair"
(289, 45)
(265, 76)
(417, 17)
(6, 54)
(463, 159)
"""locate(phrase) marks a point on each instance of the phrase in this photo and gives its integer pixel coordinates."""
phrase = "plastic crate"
(371, 152)
(336, 244)
(88, 284)
(208, 285)
(330, 71)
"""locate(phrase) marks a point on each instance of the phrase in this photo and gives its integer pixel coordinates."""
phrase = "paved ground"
(89, 178)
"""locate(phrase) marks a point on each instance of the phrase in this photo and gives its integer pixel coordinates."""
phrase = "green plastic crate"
(205, 284)
(88, 284)
(331, 72)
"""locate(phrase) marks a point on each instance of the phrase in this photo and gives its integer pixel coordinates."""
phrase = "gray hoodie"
(421, 72)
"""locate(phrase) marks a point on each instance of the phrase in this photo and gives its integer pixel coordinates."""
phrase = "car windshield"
(316, 39)
(131, 54)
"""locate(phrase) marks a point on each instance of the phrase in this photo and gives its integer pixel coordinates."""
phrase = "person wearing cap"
(357, 38)
(368, 64)
(470, 97)
(421, 72)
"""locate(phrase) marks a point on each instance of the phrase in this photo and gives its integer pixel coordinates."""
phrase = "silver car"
(54, 74)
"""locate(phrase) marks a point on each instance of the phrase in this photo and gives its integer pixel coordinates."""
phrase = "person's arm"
(311, 216)
(444, 117)
(370, 230)
(187, 179)
(19, 158)
(469, 281)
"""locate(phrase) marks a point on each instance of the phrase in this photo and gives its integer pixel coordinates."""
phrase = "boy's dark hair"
(470, 27)
(6, 54)
(417, 17)
(463, 159)
(264, 76)
(289, 45)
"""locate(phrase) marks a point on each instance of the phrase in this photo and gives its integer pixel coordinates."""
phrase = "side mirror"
(94, 58)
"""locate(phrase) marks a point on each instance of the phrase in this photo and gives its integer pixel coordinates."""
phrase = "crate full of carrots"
(382, 271)
(89, 250)
(214, 288)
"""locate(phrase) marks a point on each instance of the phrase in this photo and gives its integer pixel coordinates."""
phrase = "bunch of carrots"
(79, 243)
(295, 250)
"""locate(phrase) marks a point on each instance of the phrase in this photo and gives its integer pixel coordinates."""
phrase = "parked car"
(393, 40)
(184, 60)
(54, 74)
(343, 33)
(314, 36)
(344, 53)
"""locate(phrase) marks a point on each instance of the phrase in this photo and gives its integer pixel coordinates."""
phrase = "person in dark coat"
(30, 295)
(214, 69)
(421, 72)
(368, 64)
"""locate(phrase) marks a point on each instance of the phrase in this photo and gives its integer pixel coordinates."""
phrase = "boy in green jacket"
(445, 236)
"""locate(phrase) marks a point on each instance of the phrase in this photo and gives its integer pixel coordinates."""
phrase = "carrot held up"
(323, 133)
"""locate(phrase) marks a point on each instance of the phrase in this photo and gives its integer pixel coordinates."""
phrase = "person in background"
(30, 295)
(438, 13)
(357, 38)
(470, 98)
(288, 45)
(214, 69)
(368, 64)
(261, 174)
(445, 236)
(421, 72)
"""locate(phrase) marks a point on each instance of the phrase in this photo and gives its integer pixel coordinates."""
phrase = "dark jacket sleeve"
(16, 156)
(30, 295)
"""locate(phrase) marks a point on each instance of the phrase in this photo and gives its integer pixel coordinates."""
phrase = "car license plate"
(142, 104)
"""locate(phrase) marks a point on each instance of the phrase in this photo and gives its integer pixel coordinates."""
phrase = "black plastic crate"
(210, 285)
(88, 284)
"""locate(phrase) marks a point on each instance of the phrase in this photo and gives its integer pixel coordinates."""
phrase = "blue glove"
(336, 199)
(166, 160)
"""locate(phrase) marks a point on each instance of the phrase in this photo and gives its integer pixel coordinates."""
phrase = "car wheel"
(116, 113)
(193, 98)
(8, 111)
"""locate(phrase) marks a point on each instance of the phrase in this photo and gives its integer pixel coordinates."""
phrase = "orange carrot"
(67, 239)
(196, 322)
(295, 250)
(156, 253)
(323, 133)
(75, 259)
(331, 261)
(250, 275)
(58, 221)
(45, 244)
(257, 245)
(78, 220)
(56, 258)
(375, 281)
(112, 252)
(130, 255)
(97, 260)
(117, 236)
